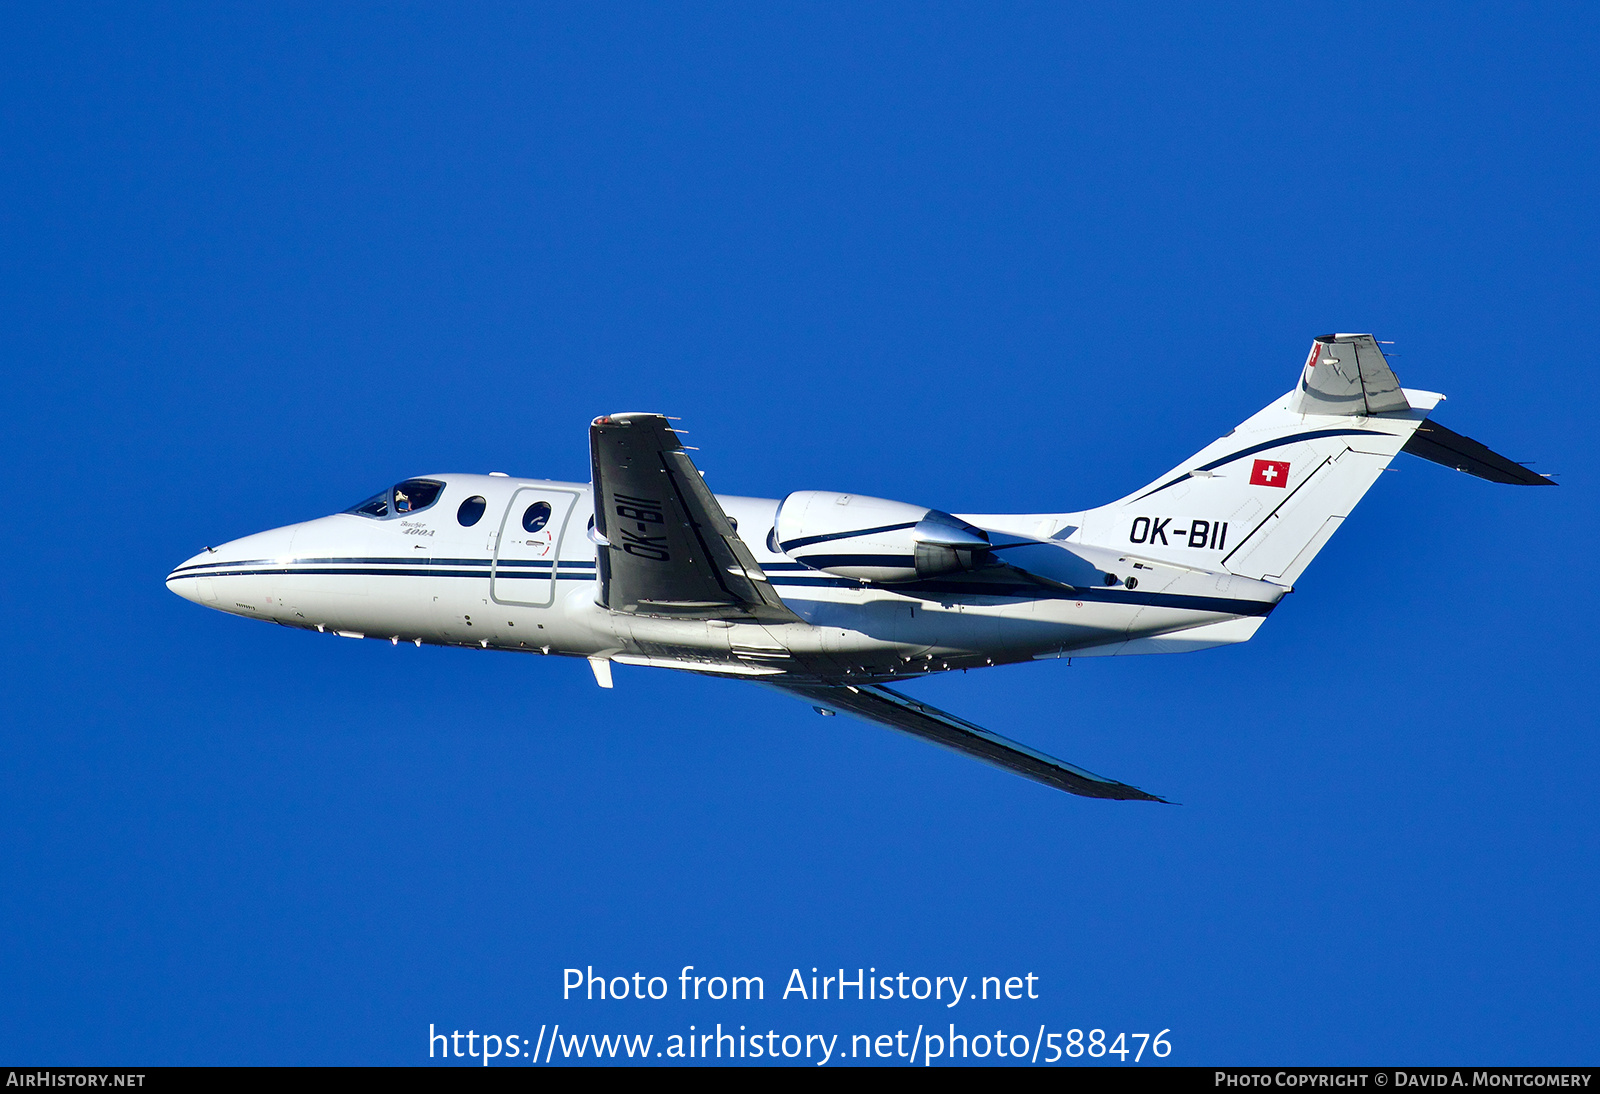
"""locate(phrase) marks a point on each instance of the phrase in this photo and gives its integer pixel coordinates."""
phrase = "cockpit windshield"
(375, 506)
(411, 496)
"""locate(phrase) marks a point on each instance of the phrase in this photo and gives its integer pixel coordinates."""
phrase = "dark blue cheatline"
(583, 570)
(807, 540)
(1253, 449)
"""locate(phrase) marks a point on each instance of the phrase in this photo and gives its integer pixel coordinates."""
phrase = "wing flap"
(667, 548)
(876, 703)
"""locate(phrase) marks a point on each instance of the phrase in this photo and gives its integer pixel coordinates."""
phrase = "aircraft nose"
(188, 579)
(202, 578)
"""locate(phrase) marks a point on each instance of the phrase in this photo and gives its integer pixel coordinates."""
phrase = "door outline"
(555, 543)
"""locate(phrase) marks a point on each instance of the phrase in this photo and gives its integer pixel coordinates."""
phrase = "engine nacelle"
(874, 539)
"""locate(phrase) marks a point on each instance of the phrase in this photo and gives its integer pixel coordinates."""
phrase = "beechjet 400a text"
(834, 596)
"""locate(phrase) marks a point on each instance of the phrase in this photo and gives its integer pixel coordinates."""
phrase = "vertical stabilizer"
(1263, 500)
(1347, 375)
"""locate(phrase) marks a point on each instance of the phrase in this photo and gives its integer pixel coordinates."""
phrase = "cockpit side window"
(415, 495)
(411, 496)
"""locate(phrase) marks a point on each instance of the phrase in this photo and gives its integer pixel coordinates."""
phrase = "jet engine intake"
(875, 539)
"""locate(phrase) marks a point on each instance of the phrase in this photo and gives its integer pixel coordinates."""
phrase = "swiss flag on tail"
(1269, 473)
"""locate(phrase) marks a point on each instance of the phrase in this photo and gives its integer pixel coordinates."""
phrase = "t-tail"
(1263, 500)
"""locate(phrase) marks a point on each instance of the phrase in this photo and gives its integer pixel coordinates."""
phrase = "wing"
(1433, 441)
(667, 548)
(879, 704)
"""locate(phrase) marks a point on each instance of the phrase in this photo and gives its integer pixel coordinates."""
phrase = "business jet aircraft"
(833, 596)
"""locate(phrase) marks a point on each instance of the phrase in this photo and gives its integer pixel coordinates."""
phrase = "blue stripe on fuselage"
(1311, 435)
(584, 570)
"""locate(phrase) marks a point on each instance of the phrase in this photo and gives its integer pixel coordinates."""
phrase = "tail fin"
(1261, 501)
(1347, 376)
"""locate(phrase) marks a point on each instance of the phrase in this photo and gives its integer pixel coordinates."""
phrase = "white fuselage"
(426, 577)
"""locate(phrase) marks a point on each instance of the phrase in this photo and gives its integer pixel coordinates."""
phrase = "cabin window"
(536, 516)
(471, 511)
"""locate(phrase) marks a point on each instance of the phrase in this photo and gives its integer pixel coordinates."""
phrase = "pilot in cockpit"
(402, 504)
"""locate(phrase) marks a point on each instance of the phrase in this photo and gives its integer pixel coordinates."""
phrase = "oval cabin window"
(536, 516)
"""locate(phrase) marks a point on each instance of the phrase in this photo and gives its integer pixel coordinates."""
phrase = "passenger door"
(527, 546)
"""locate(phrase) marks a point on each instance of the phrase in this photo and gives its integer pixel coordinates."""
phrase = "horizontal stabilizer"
(1433, 441)
(879, 704)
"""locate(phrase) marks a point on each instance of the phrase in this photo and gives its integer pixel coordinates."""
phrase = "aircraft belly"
(898, 635)
(674, 639)
(724, 646)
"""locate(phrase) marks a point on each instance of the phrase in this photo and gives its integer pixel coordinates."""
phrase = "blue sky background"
(255, 265)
